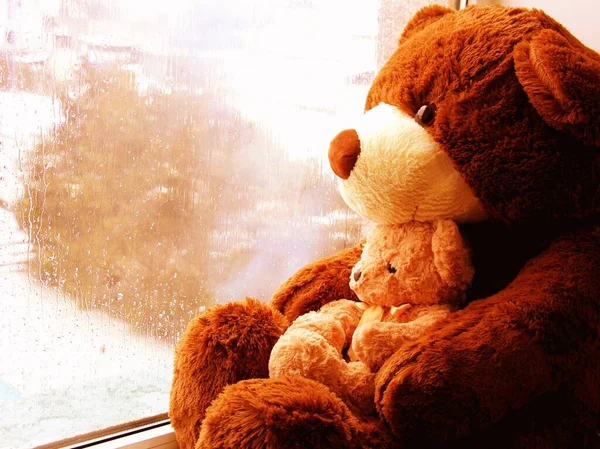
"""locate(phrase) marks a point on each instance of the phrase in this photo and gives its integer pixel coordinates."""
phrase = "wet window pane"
(157, 158)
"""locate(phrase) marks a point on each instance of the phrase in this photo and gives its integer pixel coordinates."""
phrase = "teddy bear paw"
(287, 412)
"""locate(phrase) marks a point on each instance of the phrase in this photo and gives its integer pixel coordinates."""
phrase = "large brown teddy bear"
(488, 116)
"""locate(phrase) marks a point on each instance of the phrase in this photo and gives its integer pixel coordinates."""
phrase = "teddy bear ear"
(424, 17)
(562, 80)
(451, 255)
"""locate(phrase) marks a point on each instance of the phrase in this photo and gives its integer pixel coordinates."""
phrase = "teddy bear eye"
(426, 113)
(391, 268)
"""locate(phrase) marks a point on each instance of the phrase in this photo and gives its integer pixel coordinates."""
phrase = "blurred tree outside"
(27, 77)
(115, 199)
(148, 206)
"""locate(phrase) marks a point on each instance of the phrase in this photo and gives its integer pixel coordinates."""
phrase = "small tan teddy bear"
(409, 277)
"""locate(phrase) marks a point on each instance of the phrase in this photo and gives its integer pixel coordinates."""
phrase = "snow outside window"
(157, 158)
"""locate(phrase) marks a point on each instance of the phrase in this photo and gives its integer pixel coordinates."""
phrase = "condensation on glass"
(158, 158)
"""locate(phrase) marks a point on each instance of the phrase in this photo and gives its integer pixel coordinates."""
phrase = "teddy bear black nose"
(343, 152)
(357, 275)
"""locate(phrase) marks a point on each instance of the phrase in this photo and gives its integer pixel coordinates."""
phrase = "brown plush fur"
(316, 284)
(566, 97)
(422, 18)
(521, 168)
(226, 344)
(519, 367)
(288, 412)
(539, 336)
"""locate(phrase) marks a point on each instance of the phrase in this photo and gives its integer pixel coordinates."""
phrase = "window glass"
(158, 158)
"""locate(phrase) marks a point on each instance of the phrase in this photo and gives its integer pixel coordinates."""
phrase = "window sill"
(149, 433)
(161, 437)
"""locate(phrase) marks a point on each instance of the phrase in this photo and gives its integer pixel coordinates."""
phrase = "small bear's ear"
(424, 17)
(562, 80)
(451, 255)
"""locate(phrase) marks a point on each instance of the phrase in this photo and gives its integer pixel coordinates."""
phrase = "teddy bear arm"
(331, 326)
(378, 341)
(220, 347)
(317, 284)
(303, 352)
(347, 314)
(501, 353)
(311, 348)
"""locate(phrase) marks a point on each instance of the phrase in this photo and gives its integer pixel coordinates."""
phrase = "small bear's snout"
(343, 152)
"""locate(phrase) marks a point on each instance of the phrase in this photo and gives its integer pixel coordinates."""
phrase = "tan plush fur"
(421, 268)
(430, 259)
